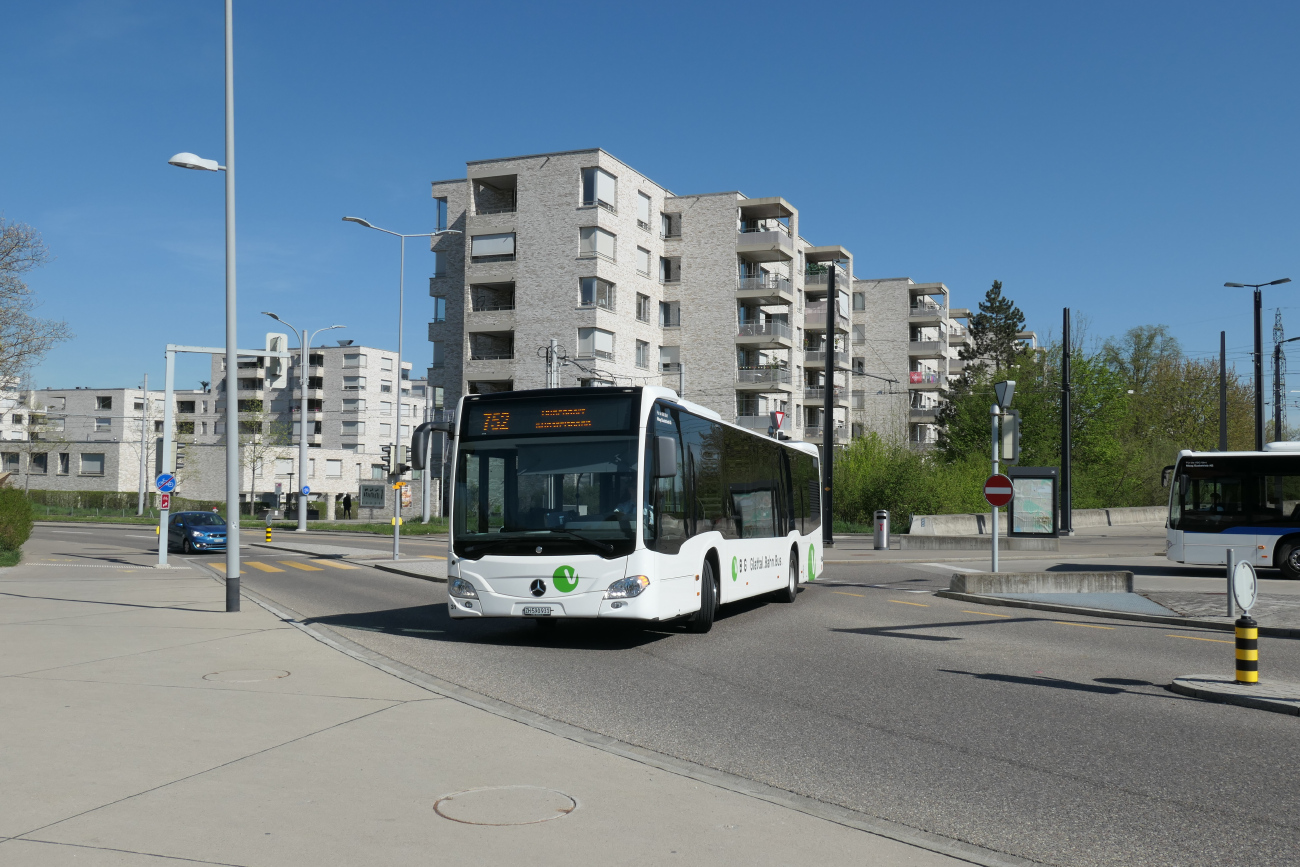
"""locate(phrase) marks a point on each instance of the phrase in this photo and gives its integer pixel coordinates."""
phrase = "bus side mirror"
(665, 457)
(1165, 475)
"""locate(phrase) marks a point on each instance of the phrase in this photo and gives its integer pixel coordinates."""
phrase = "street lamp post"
(395, 458)
(305, 344)
(1259, 355)
(190, 161)
(1279, 389)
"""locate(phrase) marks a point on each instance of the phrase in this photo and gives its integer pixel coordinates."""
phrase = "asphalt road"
(1050, 737)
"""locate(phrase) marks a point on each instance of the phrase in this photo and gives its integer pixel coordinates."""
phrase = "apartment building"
(89, 439)
(906, 344)
(716, 295)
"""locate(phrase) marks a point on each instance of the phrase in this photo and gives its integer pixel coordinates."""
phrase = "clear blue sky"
(1124, 159)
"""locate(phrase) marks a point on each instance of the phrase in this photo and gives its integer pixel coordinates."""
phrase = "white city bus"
(1246, 501)
(623, 503)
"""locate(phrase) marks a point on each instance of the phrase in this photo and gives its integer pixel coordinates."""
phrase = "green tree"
(993, 331)
(24, 338)
(1140, 352)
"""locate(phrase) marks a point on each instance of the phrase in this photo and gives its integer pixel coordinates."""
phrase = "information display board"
(372, 495)
(548, 415)
(1034, 501)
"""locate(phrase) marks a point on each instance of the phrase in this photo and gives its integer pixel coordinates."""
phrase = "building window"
(317, 404)
(385, 363)
(859, 301)
(103, 424)
(439, 356)
(440, 213)
(439, 309)
(386, 386)
(157, 427)
(642, 354)
(56, 424)
(385, 407)
(353, 359)
(353, 428)
(386, 431)
(352, 383)
(376, 471)
(39, 463)
(184, 427)
(354, 404)
(595, 343)
(670, 314)
(333, 469)
(9, 462)
(185, 406)
(670, 226)
(594, 292)
(643, 211)
(670, 269)
(595, 241)
(438, 397)
(92, 464)
(284, 466)
(316, 359)
(439, 264)
(103, 403)
(599, 187)
(497, 247)
(643, 261)
(642, 307)
(65, 463)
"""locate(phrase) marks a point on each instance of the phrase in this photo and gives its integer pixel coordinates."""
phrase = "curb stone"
(1285, 697)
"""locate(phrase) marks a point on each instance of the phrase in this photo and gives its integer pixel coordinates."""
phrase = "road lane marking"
(986, 613)
(1199, 638)
(947, 566)
(265, 567)
(842, 593)
(218, 565)
(433, 557)
(336, 564)
(1088, 625)
(917, 604)
(303, 566)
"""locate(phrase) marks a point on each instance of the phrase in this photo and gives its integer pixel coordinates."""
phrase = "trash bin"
(882, 530)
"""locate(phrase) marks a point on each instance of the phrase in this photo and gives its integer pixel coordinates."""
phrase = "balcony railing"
(815, 316)
(488, 260)
(927, 311)
(769, 283)
(768, 328)
(774, 227)
(591, 203)
(822, 278)
(488, 306)
(491, 354)
(763, 375)
(599, 303)
(643, 225)
(670, 367)
(921, 378)
(488, 212)
(819, 393)
(754, 422)
(814, 432)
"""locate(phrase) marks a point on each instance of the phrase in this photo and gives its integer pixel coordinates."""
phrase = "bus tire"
(1288, 560)
(791, 590)
(702, 621)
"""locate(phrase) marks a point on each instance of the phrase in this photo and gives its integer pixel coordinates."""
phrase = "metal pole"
(144, 450)
(1067, 487)
(1259, 373)
(1223, 391)
(828, 420)
(1277, 393)
(397, 424)
(232, 347)
(1231, 560)
(302, 433)
(994, 412)
(426, 475)
(167, 464)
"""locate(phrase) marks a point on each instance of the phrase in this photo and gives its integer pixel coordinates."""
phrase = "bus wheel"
(702, 621)
(1289, 560)
(791, 590)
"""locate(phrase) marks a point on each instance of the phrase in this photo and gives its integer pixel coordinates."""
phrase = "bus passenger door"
(666, 515)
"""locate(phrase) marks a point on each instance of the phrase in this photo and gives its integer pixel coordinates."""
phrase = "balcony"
(491, 353)
(813, 433)
(924, 381)
(818, 393)
(755, 422)
(765, 244)
(929, 313)
(813, 357)
(763, 379)
(821, 280)
(927, 348)
(769, 289)
(768, 334)
(815, 318)
(923, 416)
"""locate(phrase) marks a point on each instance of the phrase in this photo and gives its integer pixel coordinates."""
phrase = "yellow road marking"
(1199, 638)
(303, 566)
(842, 593)
(336, 564)
(433, 557)
(917, 604)
(263, 566)
(219, 566)
(1088, 625)
(986, 613)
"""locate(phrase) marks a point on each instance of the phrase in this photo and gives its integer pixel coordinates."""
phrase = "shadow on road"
(1099, 685)
(905, 631)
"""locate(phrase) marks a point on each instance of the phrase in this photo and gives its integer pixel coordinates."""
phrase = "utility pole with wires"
(1279, 372)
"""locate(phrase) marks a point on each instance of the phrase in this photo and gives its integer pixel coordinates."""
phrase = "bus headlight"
(461, 588)
(626, 588)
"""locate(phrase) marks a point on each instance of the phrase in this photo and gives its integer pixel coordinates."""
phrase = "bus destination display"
(547, 416)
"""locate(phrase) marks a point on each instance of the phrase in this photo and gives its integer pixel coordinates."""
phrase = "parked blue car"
(192, 532)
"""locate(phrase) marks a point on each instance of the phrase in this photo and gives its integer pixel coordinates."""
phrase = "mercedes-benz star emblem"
(538, 587)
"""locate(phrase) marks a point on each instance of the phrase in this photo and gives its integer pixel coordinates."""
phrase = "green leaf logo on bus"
(812, 562)
(735, 571)
(565, 579)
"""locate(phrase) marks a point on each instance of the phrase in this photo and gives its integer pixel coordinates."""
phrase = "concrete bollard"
(1247, 649)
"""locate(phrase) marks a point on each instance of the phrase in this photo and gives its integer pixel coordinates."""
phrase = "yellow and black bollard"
(268, 534)
(1247, 650)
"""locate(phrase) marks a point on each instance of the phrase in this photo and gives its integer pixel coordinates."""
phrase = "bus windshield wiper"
(595, 543)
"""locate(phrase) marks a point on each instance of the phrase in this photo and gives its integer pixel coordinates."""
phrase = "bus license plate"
(537, 611)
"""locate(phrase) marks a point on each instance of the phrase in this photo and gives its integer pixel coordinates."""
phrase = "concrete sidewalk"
(145, 726)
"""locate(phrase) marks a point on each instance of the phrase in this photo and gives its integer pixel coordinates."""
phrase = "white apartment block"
(716, 295)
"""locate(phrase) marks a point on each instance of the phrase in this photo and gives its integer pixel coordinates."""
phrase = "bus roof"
(1274, 448)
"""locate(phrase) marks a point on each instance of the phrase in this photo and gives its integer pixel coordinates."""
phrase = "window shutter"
(606, 187)
(605, 243)
(604, 341)
(643, 208)
(502, 244)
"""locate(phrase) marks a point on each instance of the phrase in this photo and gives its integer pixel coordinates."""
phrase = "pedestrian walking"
(347, 505)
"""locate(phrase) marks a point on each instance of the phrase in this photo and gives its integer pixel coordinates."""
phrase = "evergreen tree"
(993, 331)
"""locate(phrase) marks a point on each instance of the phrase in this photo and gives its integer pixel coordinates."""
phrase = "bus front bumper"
(578, 606)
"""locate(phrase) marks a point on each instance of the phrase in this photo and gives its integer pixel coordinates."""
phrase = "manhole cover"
(246, 675)
(505, 805)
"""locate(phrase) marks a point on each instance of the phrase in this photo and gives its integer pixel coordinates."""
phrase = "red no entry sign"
(997, 490)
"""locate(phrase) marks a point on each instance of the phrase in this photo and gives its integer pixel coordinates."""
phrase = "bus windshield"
(1214, 494)
(563, 494)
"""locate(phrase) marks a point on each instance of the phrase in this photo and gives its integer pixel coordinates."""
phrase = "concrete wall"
(978, 524)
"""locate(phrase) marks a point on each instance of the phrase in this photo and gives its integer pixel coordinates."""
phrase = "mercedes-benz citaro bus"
(623, 504)
(1245, 501)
